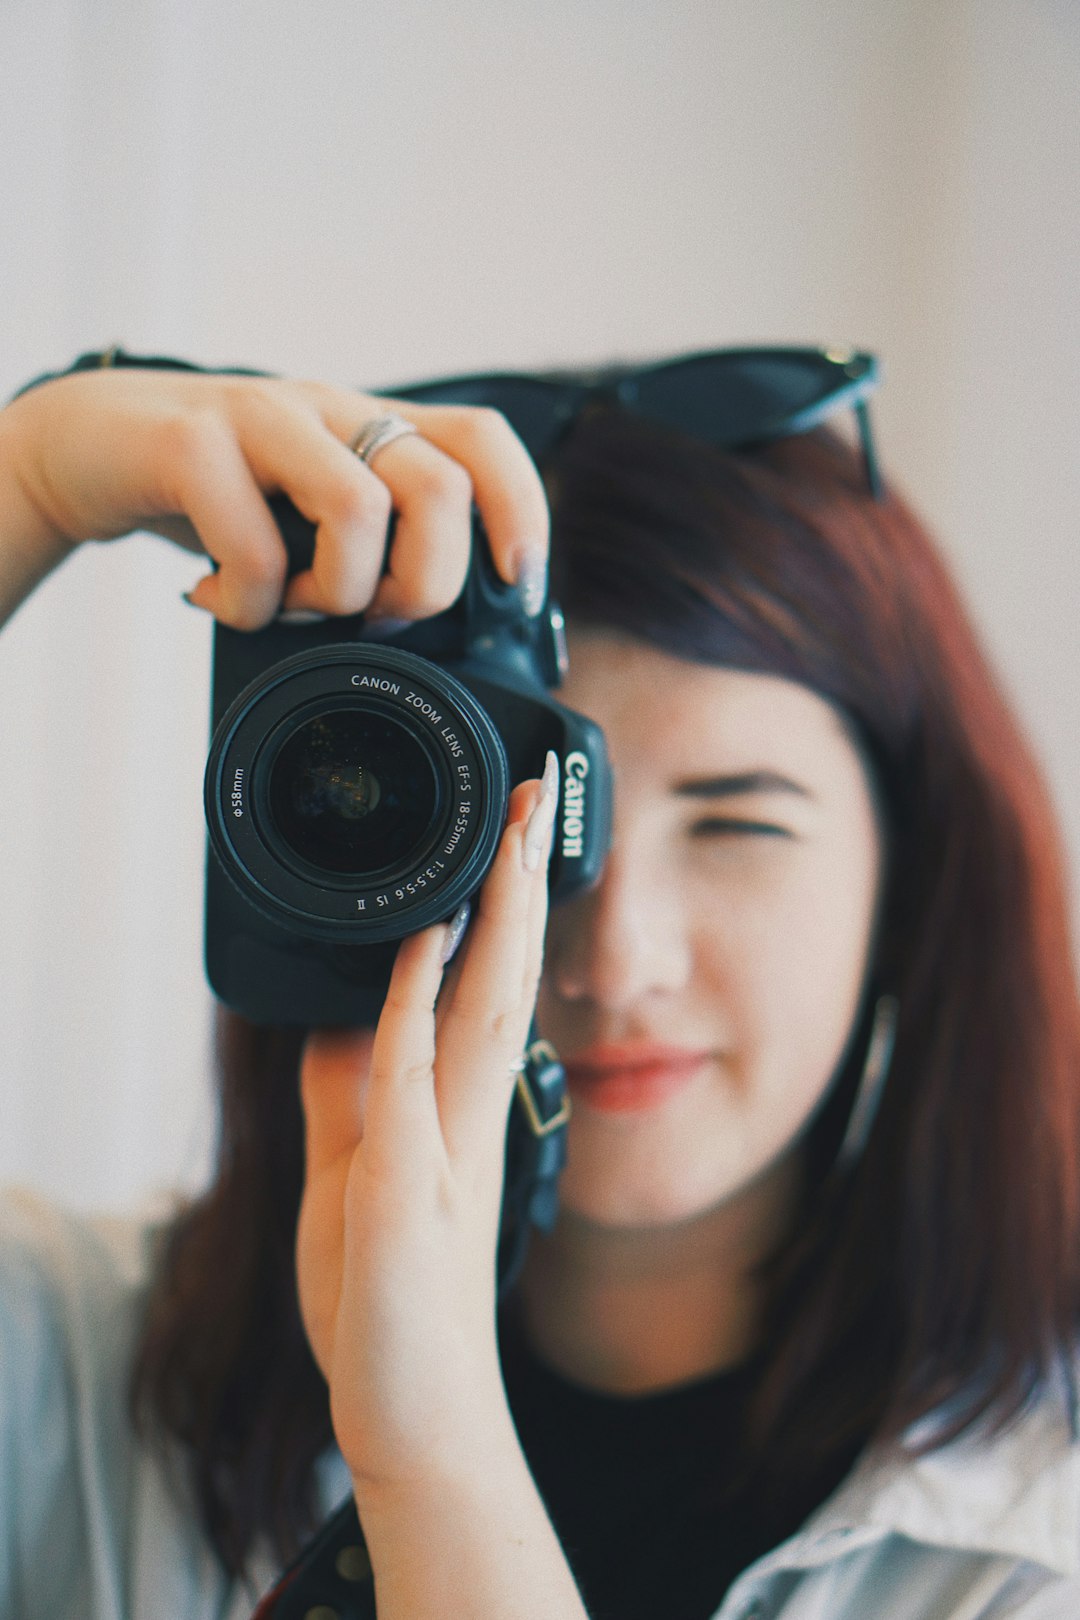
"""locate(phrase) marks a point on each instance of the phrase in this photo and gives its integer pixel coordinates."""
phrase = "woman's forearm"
(30, 548)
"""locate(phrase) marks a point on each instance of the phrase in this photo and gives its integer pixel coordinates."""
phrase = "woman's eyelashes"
(728, 826)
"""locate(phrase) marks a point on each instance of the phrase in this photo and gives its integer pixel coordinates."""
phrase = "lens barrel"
(356, 792)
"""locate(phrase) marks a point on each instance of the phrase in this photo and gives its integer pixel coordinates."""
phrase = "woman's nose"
(623, 940)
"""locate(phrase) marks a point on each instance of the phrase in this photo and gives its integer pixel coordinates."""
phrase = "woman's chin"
(620, 1203)
(637, 1190)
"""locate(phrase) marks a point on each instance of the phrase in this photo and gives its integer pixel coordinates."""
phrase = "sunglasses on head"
(735, 398)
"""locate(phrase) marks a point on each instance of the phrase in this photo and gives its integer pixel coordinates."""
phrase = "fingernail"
(458, 923)
(532, 585)
(186, 596)
(301, 616)
(537, 841)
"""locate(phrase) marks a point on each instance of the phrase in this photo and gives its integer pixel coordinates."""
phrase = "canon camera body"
(357, 786)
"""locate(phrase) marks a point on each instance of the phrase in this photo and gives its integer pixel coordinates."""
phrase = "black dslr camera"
(356, 788)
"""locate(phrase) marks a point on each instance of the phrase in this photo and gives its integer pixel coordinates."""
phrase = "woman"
(801, 1341)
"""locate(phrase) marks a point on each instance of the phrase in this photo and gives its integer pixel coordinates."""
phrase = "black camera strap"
(535, 1155)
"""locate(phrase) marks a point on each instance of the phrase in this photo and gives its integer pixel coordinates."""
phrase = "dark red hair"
(945, 1271)
(942, 1275)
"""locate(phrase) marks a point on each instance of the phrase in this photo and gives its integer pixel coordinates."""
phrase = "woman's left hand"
(405, 1139)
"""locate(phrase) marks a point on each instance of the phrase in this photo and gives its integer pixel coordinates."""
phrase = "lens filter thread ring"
(428, 701)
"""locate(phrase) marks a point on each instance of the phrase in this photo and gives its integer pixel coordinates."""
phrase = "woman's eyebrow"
(719, 787)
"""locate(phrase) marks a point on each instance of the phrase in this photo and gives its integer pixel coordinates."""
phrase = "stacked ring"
(377, 434)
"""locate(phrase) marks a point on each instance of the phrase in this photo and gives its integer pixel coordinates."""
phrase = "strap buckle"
(541, 1088)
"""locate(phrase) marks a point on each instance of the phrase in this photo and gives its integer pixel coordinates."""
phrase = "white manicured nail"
(532, 584)
(301, 616)
(537, 841)
(455, 931)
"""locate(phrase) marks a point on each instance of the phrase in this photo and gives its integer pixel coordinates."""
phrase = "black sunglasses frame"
(543, 406)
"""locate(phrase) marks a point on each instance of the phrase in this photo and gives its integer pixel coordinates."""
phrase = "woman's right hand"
(193, 456)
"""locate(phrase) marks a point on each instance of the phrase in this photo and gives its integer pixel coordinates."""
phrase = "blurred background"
(370, 194)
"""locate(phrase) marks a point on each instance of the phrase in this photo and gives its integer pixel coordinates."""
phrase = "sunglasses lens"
(736, 398)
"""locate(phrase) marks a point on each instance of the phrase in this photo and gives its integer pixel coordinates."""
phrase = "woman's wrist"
(477, 1442)
(470, 1542)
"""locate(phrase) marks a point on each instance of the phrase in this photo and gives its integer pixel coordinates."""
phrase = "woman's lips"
(629, 1079)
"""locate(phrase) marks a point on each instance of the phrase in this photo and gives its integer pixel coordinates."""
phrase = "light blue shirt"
(93, 1524)
(93, 1529)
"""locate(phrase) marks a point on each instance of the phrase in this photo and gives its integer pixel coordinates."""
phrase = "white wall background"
(368, 193)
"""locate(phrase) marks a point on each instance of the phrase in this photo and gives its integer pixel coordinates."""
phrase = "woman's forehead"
(671, 707)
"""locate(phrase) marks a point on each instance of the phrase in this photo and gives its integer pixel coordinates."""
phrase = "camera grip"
(296, 531)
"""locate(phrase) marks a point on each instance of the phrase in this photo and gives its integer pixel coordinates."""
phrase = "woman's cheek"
(786, 956)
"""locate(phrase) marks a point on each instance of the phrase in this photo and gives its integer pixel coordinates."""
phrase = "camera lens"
(353, 793)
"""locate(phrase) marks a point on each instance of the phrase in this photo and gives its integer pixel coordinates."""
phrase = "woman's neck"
(632, 1309)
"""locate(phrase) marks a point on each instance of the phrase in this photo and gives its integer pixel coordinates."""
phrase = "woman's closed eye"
(721, 826)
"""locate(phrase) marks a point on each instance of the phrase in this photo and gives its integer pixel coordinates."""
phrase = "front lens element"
(353, 793)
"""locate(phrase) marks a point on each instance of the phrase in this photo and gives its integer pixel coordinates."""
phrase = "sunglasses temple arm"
(873, 471)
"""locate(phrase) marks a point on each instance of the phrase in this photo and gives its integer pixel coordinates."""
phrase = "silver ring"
(377, 434)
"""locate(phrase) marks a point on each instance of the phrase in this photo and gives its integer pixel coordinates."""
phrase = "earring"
(871, 1085)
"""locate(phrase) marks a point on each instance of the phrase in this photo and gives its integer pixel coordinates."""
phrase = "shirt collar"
(1013, 1494)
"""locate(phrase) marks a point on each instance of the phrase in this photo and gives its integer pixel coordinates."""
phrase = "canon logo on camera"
(575, 770)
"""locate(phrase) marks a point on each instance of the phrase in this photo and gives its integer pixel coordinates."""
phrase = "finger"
(214, 485)
(178, 530)
(506, 485)
(224, 458)
(536, 927)
(402, 1123)
(290, 449)
(430, 551)
(490, 996)
(334, 1077)
(501, 474)
(498, 960)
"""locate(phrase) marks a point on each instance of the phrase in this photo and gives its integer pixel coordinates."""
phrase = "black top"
(636, 1486)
